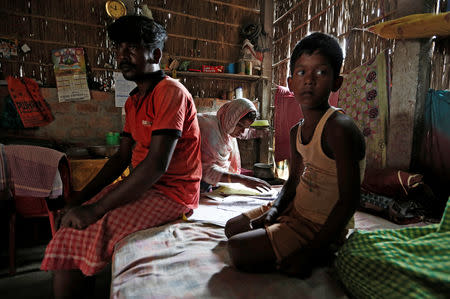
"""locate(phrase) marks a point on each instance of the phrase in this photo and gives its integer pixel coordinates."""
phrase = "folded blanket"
(34, 170)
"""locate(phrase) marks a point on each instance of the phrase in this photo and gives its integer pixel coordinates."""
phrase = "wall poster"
(70, 72)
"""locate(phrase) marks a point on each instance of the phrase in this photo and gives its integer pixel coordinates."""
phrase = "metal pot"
(263, 171)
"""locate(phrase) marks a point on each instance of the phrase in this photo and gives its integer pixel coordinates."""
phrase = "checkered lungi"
(90, 250)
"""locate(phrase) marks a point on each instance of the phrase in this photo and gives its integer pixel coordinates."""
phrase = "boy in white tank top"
(327, 163)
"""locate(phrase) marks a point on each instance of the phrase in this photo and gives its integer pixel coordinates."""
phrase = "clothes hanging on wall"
(287, 113)
(364, 96)
(31, 106)
(434, 158)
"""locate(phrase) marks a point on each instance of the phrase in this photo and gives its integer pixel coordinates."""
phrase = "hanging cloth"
(31, 106)
(287, 113)
(364, 96)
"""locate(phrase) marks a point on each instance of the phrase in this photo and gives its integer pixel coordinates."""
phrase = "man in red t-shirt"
(161, 139)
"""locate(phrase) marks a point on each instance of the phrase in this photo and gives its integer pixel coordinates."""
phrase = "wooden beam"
(201, 59)
(23, 14)
(257, 11)
(281, 61)
(203, 40)
(40, 41)
(192, 17)
(220, 76)
(289, 11)
(369, 23)
(15, 61)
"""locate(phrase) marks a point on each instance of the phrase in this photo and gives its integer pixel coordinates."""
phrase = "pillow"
(398, 196)
(390, 182)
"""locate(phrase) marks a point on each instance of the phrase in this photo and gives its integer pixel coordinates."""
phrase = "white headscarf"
(220, 152)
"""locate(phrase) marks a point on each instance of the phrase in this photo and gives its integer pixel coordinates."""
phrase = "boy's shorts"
(291, 231)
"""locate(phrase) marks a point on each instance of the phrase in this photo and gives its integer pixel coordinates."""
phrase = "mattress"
(189, 259)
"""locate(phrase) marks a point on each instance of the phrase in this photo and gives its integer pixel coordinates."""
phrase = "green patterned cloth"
(412, 262)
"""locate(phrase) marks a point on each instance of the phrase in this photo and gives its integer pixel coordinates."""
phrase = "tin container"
(248, 67)
(241, 67)
(263, 171)
(230, 68)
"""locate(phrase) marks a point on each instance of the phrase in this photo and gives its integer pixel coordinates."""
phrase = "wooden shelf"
(218, 76)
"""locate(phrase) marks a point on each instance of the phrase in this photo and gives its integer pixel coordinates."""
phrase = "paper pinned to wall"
(122, 88)
(70, 73)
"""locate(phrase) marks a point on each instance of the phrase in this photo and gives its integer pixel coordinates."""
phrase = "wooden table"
(84, 170)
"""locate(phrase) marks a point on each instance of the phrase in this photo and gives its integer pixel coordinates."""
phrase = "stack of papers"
(227, 189)
(228, 201)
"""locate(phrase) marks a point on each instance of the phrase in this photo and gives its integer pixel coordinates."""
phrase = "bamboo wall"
(205, 32)
(201, 31)
(344, 19)
(341, 18)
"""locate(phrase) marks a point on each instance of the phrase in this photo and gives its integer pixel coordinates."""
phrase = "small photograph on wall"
(70, 72)
(8, 48)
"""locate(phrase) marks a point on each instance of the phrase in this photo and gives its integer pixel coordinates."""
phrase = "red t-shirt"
(168, 110)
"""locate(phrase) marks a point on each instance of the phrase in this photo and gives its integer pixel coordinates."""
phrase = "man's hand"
(60, 213)
(81, 217)
(76, 199)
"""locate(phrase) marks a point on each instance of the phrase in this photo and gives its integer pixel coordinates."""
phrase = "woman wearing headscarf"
(221, 161)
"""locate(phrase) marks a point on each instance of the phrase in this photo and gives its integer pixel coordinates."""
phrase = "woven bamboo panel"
(341, 18)
(346, 20)
(202, 31)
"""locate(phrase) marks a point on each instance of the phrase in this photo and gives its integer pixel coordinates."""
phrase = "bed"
(188, 259)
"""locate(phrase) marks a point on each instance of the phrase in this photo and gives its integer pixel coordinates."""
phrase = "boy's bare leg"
(252, 251)
(72, 284)
(242, 223)
(237, 225)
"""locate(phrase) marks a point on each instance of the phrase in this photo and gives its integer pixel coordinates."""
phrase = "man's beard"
(125, 68)
(129, 71)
